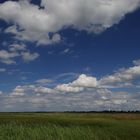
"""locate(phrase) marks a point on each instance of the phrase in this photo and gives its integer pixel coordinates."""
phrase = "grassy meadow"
(69, 126)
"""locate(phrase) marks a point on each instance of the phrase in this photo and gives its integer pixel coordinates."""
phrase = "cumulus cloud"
(67, 88)
(124, 76)
(44, 90)
(85, 81)
(78, 85)
(33, 23)
(17, 47)
(27, 56)
(7, 57)
(18, 91)
(31, 90)
(17, 50)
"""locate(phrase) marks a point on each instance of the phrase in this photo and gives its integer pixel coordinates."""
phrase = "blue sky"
(69, 55)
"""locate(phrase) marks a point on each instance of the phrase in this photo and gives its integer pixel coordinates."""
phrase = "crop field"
(69, 126)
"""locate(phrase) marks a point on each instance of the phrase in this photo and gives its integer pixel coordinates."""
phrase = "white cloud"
(78, 85)
(17, 50)
(67, 88)
(27, 56)
(85, 81)
(122, 76)
(31, 90)
(18, 91)
(119, 101)
(44, 90)
(17, 47)
(84, 101)
(7, 57)
(35, 23)
(56, 38)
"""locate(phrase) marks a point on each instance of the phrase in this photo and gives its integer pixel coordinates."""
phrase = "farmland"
(69, 126)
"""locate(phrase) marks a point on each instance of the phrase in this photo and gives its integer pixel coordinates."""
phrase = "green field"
(69, 126)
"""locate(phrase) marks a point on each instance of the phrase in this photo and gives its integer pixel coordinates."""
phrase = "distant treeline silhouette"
(105, 111)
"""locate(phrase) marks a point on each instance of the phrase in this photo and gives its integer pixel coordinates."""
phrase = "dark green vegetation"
(69, 126)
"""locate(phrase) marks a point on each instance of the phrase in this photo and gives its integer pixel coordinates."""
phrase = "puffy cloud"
(67, 88)
(7, 57)
(18, 91)
(35, 23)
(122, 76)
(17, 47)
(44, 90)
(17, 50)
(27, 56)
(31, 90)
(90, 15)
(85, 81)
(78, 85)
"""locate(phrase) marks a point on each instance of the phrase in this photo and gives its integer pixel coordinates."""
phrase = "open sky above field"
(69, 55)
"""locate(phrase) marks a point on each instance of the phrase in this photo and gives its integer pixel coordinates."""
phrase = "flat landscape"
(69, 126)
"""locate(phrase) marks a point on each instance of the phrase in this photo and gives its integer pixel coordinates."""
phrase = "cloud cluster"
(84, 93)
(124, 78)
(27, 56)
(31, 89)
(17, 50)
(79, 84)
(6, 57)
(34, 23)
(88, 101)
(18, 91)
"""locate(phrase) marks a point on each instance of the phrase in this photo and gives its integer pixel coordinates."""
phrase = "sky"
(69, 55)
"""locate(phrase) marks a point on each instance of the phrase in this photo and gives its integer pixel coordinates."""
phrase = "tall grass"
(69, 126)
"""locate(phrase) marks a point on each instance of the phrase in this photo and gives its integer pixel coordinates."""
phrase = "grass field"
(69, 126)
